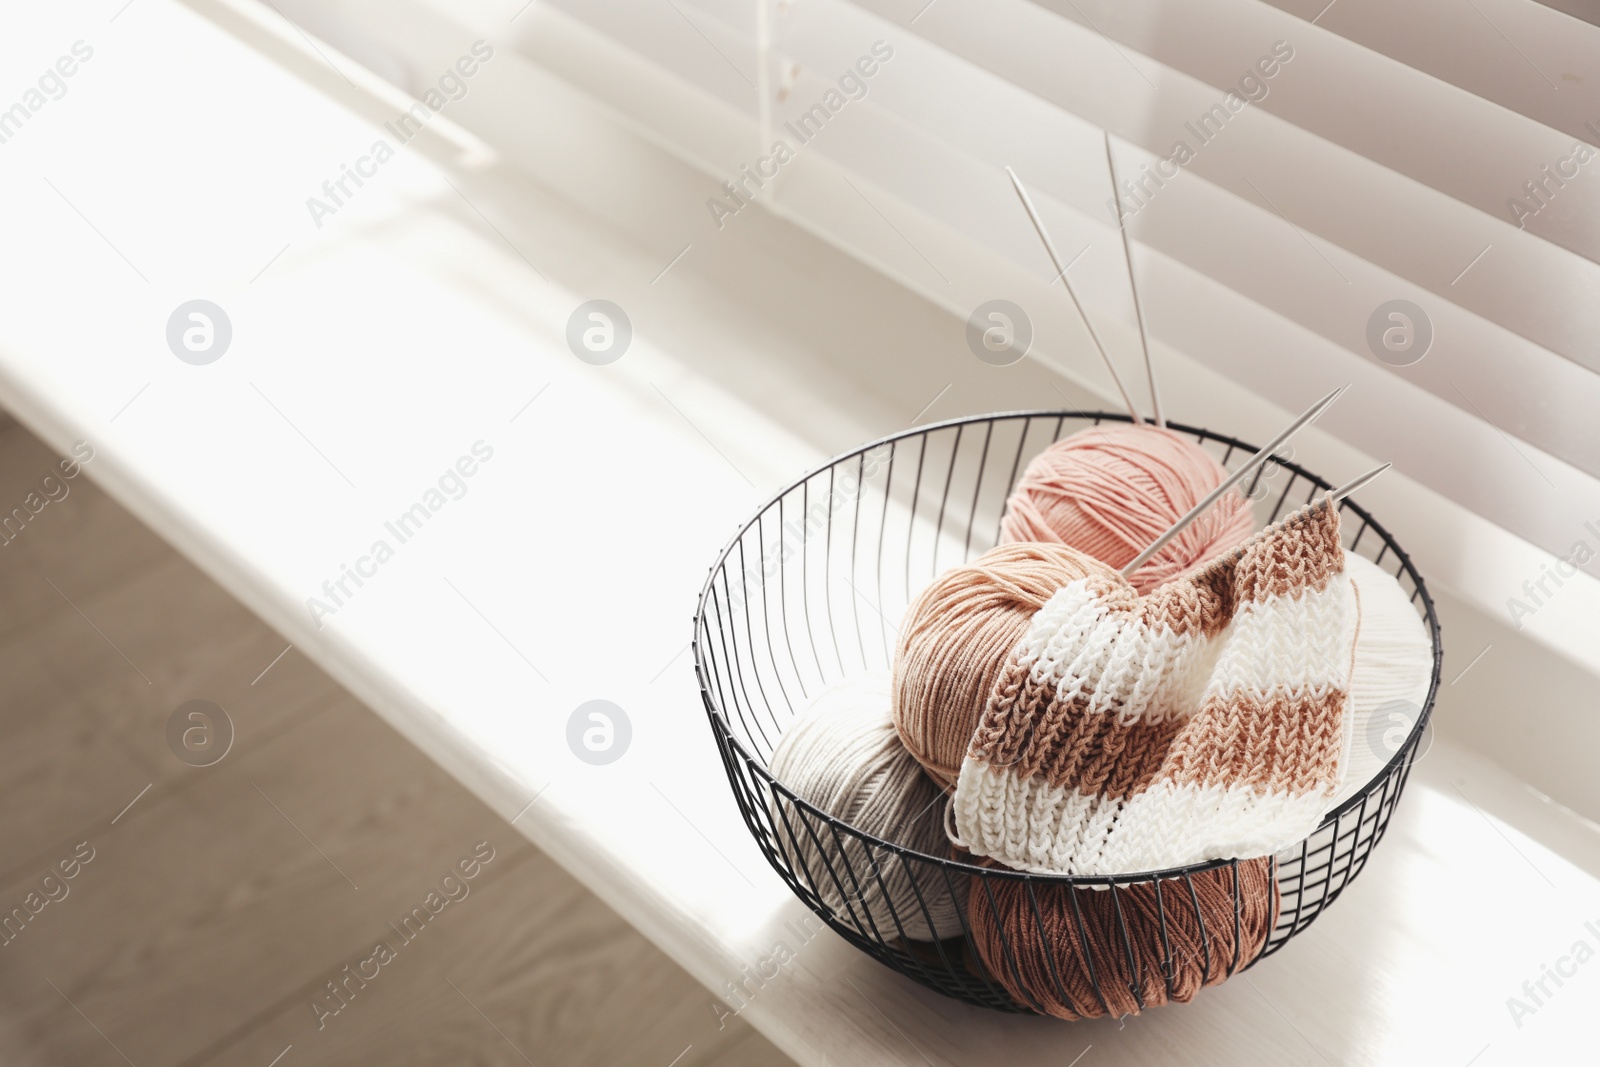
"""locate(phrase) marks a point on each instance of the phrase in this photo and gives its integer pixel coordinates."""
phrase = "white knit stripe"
(1138, 671)
(1125, 684)
(1061, 631)
(1098, 836)
(988, 803)
(982, 818)
(1062, 810)
(1015, 801)
(1113, 837)
(1177, 669)
(1068, 810)
(1080, 813)
(1257, 822)
(992, 807)
(1285, 641)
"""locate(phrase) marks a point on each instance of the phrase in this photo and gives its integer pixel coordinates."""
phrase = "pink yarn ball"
(1111, 490)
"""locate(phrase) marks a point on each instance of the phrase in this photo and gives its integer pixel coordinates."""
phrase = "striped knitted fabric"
(1205, 720)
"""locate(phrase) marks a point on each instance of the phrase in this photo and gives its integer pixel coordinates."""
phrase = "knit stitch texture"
(1206, 720)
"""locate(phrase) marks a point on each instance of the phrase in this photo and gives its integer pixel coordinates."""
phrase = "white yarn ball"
(842, 755)
(1393, 668)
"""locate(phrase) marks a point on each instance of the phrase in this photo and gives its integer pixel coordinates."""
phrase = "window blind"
(1291, 171)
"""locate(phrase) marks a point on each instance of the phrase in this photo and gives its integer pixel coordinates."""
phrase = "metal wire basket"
(810, 591)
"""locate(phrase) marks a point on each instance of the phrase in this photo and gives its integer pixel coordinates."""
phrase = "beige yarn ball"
(842, 755)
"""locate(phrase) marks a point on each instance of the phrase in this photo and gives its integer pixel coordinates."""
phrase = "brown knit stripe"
(1283, 741)
(1067, 746)
(1006, 725)
(1113, 591)
(1027, 727)
(1287, 742)
(1303, 556)
(1199, 605)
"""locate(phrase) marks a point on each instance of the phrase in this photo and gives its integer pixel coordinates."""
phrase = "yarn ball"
(842, 755)
(1111, 490)
(957, 637)
(1393, 669)
(1040, 940)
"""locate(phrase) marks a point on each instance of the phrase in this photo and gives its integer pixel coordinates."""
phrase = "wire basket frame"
(809, 592)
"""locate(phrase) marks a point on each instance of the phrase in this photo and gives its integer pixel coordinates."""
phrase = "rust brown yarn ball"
(1076, 952)
(957, 637)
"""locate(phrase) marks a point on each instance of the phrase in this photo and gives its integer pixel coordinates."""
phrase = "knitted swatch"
(1203, 721)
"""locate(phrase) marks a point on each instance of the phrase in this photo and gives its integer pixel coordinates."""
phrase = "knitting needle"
(1061, 272)
(1235, 478)
(1133, 286)
(1350, 487)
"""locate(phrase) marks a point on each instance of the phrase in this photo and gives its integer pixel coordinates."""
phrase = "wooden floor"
(219, 901)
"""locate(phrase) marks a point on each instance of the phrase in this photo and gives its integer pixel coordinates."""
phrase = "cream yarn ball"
(1393, 668)
(841, 754)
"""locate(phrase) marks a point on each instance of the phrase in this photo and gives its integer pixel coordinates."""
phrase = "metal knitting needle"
(1236, 477)
(1133, 286)
(1350, 487)
(1061, 272)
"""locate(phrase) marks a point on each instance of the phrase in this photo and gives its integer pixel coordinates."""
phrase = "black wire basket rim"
(722, 727)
